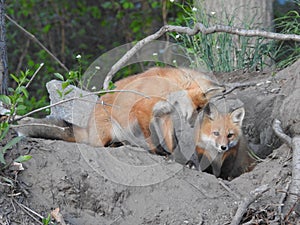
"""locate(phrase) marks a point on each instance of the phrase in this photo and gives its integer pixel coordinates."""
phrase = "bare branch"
(32, 37)
(118, 65)
(246, 202)
(76, 98)
(198, 28)
(34, 75)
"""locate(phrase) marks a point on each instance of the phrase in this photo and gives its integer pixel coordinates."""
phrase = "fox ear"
(211, 111)
(237, 115)
(212, 91)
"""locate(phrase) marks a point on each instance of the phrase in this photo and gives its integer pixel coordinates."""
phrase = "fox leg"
(157, 127)
(100, 130)
(163, 135)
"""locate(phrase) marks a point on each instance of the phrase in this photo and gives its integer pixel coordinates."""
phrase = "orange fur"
(221, 143)
(125, 111)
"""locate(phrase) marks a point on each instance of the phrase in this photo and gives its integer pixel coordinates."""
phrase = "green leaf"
(24, 91)
(20, 100)
(21, 107)
(23, 158)
(10, 89)
(4, 130)
(5, 99)
(46, 28)
(69, 91)
(11, 143)
(128, 5)
(47, 220)
(65, 84)
(107, 5)
(7, 180)
(2, 160)
(59, 76)
(59, 93)
(111, 86)
(15, 78)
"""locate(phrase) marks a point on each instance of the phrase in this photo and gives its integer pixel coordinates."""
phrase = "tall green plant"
(288, 52)
(15, 104)
(221, 52)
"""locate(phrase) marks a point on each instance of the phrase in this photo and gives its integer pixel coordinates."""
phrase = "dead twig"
(34, 75)
(30, 212)
(246, 202)
(282, 199)
(234, 86)
(198, 28)
(228, 189)
(81, 98)
(32, 37)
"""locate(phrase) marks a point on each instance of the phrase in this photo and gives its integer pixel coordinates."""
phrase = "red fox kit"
(127, 117)
(149, 122)
(220, 145)
(114, 122)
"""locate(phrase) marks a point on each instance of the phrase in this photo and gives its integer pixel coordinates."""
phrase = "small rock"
(77, 111)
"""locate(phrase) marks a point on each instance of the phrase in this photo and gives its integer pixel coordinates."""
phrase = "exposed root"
(246, 202)
(292, 203)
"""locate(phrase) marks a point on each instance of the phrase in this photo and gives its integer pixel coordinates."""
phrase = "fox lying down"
(149, 120)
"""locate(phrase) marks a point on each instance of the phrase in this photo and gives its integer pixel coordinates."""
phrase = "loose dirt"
(126, 185)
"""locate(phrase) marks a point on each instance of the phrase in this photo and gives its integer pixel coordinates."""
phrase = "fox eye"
(230, 135)
(216, 133)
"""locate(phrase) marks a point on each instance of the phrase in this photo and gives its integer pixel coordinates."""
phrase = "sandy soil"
(88, 189)
(127, 185)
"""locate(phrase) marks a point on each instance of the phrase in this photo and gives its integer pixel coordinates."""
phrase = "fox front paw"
(191, 165)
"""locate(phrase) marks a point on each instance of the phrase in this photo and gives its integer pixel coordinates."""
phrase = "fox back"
(130, 116)
(114, 121)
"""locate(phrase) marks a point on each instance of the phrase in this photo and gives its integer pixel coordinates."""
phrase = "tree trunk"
(239, 13)
(247, 14)
(3, 51)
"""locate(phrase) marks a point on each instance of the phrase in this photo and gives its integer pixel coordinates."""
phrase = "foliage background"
(90, 28)
(68, 28)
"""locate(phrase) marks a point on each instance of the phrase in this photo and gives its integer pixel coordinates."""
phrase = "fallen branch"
(198, 28)
(246, 202)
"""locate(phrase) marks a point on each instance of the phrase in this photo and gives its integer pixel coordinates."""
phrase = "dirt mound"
(127, 185)
(63, 175)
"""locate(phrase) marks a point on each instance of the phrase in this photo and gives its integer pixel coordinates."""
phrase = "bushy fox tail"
(48, 128)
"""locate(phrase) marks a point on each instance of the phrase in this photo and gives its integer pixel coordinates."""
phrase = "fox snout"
(226, 146)
(223, 148)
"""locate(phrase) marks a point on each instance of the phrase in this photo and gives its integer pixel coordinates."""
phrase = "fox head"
(219, 133)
